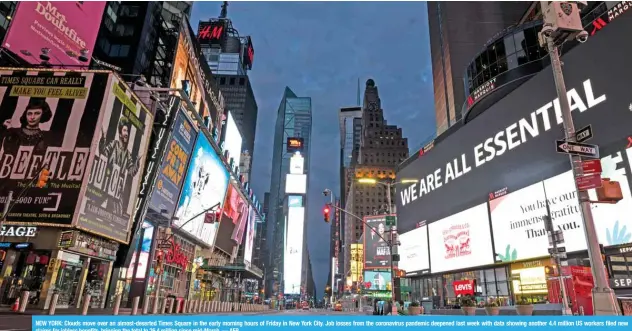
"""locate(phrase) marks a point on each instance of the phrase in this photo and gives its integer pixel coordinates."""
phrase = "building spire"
(224, 11)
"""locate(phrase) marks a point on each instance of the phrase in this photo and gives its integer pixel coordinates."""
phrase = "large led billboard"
(512, 144)
(357, 262)
(293, 258)
(460, 241)
(517, 218)
(377, 281)
(232, 140)
(122, 138)
(297, 164)
(48, 99)
(251, 232)
(204, 187)
(65, 28)
(295, 184)
(413, 250)
(377, 253)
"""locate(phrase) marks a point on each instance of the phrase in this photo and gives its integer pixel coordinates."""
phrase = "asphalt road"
(15, 322)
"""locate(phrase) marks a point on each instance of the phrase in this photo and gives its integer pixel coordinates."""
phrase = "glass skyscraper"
(294, 120)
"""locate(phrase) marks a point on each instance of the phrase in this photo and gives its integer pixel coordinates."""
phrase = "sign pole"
(604, 300)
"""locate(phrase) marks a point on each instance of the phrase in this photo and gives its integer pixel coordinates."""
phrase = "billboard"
(297, 163)
(240, 228)
(294, 144)
(212, 32)
(186, 75)
(293, 257)
(145, 248)
(357, 265)
(377, 281)
(63, 27)
(122, 138)
(376, 251)
(413, 250)
(512, 144)
(47, 118)
(164, 197)
(295, 201)
(232, 140)
(251, 232)
(295, 184)
(204, 187)
(249, 54)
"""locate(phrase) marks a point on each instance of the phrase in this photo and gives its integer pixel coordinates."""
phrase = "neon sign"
(175, 256)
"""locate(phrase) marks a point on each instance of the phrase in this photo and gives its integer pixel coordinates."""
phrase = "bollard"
(154, 305)
(53, 304)
(213, 306)
(24, 301)
(163, 307)
(185, 307)
(172, 302)
(208, 306)
(135, 302)
(194, 306)
(197, 306)
(117, 304)
(146, 304)
(85, 304)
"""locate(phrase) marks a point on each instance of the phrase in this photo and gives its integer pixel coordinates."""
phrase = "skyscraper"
(230, 56)
(457, 32)
(381, 148)
(287, 208)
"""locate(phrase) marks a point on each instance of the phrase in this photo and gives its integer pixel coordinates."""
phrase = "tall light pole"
(562, 22)
(393, 227)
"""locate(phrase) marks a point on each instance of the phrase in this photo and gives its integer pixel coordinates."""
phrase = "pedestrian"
(389, 307)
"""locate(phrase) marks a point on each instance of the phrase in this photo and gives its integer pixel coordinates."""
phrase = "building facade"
(292, 134)
(381, 148)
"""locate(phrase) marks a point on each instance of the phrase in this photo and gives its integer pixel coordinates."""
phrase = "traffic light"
(326, 212)
(43, 178)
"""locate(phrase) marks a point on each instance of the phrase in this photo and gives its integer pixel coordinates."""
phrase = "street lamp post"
(393, 227)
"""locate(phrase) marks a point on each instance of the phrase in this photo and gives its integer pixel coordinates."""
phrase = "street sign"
(164, 246)
(584, 134)
(558, 250)
(390, 220)
(588, 182)
(567, 147)
(557, 236)
(591, 167)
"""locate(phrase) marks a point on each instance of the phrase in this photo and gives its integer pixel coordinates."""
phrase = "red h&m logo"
(211, 32)
(597, 25)
(250, 54)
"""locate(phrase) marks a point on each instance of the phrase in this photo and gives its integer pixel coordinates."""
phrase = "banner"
(119, 154)
(173, 168)
(376, 251)
(48, 118)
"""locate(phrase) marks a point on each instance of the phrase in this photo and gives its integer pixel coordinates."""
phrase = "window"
(242, 81)
(222, 81)
(232, 81)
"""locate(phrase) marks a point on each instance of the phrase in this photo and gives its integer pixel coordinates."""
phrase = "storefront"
(529, 280)
(619, 260)
(179, 254)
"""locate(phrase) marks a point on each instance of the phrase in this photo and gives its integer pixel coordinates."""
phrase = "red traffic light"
(326, 214)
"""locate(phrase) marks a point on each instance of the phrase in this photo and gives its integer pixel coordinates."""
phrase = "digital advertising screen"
(251, 232)
(53, 131)
(204, 187)
(377, 253)
(60, 26)
(297, 163)
(166, 192)
(295, 201)
(293, 258)
(186, 73)
(233, 204)
(515, 149)
(377, 280)
(357, 262)
(240, 228)
(413, 251)
(145, 249)
(119, 156)
(294, 144)
(249, 54)
(212, 32)
(295, 184)
(232, 140)
(461, 241)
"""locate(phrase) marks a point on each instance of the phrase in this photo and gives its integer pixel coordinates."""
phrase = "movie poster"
(119, 155)
(376, 251)
(47, 118)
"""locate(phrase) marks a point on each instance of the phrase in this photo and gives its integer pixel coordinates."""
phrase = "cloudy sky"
(319, 50)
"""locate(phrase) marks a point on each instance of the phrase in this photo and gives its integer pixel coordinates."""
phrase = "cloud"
(320, 49)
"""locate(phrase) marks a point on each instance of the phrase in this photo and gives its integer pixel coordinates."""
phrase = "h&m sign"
(18, 231)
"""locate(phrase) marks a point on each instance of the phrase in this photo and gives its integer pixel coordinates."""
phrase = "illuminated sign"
(249, 54)
(211, 32)
(296, 164)
(294, 144)
(18, 231)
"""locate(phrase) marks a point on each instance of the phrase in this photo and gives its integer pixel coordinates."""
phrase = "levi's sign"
(521, 132)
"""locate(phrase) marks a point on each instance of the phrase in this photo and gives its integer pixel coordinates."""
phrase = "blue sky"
(319, 50)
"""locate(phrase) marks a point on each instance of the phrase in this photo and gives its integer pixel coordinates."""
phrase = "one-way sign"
(568, 147)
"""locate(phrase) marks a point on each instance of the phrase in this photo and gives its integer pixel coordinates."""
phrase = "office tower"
(230, 56)
(288, 186)
(457, 32)
(260, 253)
(381, 148)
